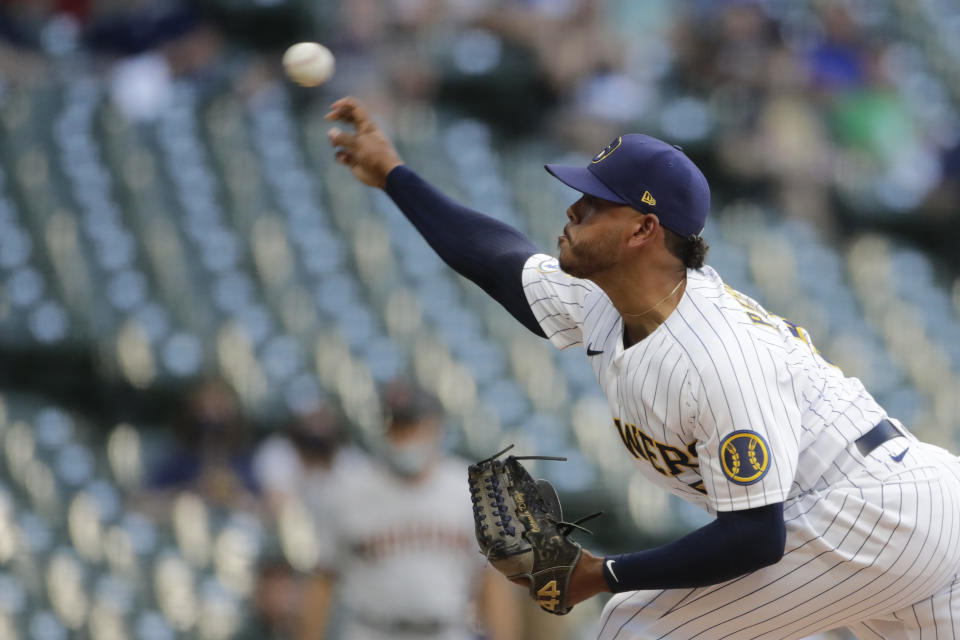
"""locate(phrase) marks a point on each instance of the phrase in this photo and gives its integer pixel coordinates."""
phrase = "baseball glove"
(520, 528)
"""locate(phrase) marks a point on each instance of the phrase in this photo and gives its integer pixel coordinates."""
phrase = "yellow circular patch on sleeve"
(744, 457)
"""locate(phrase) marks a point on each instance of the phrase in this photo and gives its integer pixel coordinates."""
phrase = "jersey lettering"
(648, 446)
(631, 439)
(798, 332)
(746, 302)
(643, 447)
(698, 486)
(674, 459)
(756, 318)
(759, 315)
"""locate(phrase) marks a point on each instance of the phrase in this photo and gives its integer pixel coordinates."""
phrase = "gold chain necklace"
(665, 298)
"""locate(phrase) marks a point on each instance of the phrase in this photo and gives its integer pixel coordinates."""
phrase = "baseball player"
(828, 513)
(404, 561)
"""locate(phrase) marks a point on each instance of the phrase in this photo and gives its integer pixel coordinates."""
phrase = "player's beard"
(584, 258)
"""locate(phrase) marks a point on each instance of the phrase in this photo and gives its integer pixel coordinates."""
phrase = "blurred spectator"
(804, 102)
(943, 200)
(210, 453)
(803, 107)
(105, 26)
(839, 60)
(516, 62)
(131, 28)
(406, 561)
(277, 602)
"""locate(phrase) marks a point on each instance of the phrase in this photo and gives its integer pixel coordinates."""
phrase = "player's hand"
(587, 579)
(368, 152)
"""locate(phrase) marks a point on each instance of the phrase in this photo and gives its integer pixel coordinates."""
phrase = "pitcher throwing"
(829, 513)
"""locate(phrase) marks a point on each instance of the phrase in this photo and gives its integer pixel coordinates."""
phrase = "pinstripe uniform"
(731, 408)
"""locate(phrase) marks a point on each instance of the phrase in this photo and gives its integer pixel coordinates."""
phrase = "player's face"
(413, 448)
(592, 240)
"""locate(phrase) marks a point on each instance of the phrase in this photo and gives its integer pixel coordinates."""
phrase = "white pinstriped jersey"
(731, 407)
(726, 405)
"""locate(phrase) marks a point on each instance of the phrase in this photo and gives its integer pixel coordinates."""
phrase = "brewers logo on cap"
(744, 457)
(610, 148)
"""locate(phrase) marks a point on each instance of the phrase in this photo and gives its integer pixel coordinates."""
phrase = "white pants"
(876, 549)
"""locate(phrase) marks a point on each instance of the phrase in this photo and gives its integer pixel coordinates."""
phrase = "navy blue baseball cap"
(648, 175)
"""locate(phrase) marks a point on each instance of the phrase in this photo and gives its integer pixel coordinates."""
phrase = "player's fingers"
(340, 138)
(361, 119)
(335, 110)
(345, 158)
(351, 110)
(341, 102)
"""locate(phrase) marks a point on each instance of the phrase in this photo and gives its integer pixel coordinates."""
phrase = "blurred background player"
(301, 462)
(211, 452)
(302, 468)
(404, 561)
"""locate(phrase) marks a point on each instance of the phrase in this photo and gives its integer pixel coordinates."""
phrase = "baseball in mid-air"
(308, 63)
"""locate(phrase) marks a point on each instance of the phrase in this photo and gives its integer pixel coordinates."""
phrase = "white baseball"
(308, 63)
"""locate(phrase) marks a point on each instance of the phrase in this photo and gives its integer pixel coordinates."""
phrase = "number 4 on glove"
(548, 596)
(520, 528)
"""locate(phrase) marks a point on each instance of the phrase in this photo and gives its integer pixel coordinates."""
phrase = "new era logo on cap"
(635, 166)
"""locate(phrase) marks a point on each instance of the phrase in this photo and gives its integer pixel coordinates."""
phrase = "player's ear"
(643, 229)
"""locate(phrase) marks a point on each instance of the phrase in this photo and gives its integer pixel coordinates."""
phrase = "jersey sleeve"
(746, 414)
(556, 299)
(276, 466)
